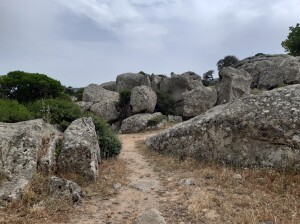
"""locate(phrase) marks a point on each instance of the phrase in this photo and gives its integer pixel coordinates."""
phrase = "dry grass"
(112, 171)
(219, 197)
(36, 206)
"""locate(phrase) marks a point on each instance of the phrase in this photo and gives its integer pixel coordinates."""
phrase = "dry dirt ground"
(183, 190)
(186, 191)
(140, 192)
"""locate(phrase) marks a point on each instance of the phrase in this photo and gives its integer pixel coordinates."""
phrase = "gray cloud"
(92, 41)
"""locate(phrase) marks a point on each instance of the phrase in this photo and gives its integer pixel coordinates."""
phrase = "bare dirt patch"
(139, 191)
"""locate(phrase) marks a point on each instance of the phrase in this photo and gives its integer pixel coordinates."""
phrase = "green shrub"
(78, 94)
(155, 121)
(123, 104)
(11, 111)
(28, 87)
(56, 111)
(109, 143)
(62, 112)
(165, 103)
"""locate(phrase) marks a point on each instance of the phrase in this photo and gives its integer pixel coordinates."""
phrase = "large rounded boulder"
(198, 101)
(103, 102)
(138, 122)
(232, 84)
(256, 131)
(143, 99)
(131, 80)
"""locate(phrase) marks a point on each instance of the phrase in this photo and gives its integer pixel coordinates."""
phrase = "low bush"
(11, 111)
(165, 103)
(56, 111)
(156, 120)
(110, 145)
(123, 104)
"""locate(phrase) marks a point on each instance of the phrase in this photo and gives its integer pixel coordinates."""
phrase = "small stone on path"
(145, 185)
(151, 216)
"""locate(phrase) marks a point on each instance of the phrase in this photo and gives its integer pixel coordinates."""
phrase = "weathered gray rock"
(25, 147)
(85, 106)
(145, 185)
(174, 119)
(198, 100)
(130, 80)
(64, 188)
(137, 122)
(185, 82)
(111, 86)
(80, 151)
(106, 109)
(233, 84)
(157, 82)
(150, 216)
(104, 102)
(143, 99)
(270, 71)
(96, 93)
(256, 130)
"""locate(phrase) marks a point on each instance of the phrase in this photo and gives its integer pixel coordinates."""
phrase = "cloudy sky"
(92, 41)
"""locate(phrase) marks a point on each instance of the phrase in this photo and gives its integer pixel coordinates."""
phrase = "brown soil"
(184, 191)
(130, 201)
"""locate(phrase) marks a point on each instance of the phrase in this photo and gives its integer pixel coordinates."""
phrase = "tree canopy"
(207, 78)
(27, 87)
(292, 43)
(227, 61)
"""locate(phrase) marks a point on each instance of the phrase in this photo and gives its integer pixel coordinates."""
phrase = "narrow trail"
(139, 195)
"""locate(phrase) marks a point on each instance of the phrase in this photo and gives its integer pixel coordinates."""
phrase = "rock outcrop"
(95, 93)
(270, 71)
(233, 84)
(106, 109)
(157, 82)
(80, 152)
(143, 99)
(198, 101)
(131, 80)
(104, 102)
(85, 106)
(64, 188)
(111, 86)
(256, 130)
(25, 147)
(185, 82)
(137, 122)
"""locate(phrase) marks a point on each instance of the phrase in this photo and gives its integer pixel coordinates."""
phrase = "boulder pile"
(29, 147)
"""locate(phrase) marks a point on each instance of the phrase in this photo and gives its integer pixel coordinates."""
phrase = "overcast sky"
(92, 41)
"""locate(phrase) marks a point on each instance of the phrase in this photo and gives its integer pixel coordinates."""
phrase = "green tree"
(227, 61)
(292, 43)
(207, 78)
(28, 87)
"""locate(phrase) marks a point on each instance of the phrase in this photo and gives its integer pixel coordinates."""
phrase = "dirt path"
(139, 195)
